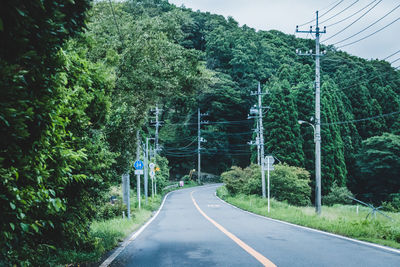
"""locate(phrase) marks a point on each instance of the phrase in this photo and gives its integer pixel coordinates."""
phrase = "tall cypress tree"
(333, 166)
(282, 131)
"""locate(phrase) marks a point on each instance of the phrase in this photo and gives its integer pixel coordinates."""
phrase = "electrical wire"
(395, 60)
(212, 122)
(364, 119)
(391, 55)
(340, 12)
(352, 15)
(335, 5)
(345, 28)
(369, 26)
(370, 34)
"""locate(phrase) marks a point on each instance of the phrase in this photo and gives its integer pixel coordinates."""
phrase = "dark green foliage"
(54, 158)
(393, 203)
(69, 112)
(282, 130)
(288, 183)
(149, 62)
(338, 195)
(379, 165)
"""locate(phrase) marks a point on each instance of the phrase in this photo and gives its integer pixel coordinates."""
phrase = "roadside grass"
(339, 219)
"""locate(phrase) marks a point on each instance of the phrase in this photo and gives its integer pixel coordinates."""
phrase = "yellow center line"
(263, 260)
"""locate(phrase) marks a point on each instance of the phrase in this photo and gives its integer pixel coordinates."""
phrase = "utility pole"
(146, 169)
(157, 126)
(260, 142)
(261, 133)
(317, 136)
(198, 147)
(199, 141)
(157, 147)
(138, 175)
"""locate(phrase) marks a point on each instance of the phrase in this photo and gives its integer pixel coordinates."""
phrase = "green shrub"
(291, 184)
(186, 178)
(338, 195)
(393, 204)
(110, 211)
(234, 179)
(288, 183)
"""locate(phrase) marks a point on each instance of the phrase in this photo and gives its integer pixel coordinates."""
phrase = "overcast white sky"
(284, 15)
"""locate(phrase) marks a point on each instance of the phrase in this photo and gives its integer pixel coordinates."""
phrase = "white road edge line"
(314, 230)
(110, 259)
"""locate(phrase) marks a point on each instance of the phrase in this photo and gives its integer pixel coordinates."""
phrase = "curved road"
(195, 228)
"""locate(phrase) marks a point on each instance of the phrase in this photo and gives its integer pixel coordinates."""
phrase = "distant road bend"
(195, 228)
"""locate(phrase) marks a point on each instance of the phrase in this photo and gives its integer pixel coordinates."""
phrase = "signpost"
(139, 170)
(270, 167)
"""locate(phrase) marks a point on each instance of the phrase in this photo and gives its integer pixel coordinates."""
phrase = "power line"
(335, 5)
(395, 60)
(369, 26)
(345, 28)
(212, 122)
(391, 55)
(370, 34)
(340, 12)
(364, 119)
(352, 15)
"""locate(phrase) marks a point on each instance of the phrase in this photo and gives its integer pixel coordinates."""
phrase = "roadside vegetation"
(79, 79)
(339, 214)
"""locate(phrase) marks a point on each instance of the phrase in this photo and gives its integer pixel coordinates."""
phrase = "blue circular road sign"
(138, 165)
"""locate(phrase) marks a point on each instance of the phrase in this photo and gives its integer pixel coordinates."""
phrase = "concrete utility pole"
(258, 145)
(198, 147)
(157, 126)
(199, 141)
(317, 136)
(138, 175)
(126, 193)
(260, 134)
(157, 147)
(146, 169)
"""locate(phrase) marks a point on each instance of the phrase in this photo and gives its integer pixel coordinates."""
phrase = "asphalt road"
(195, 228)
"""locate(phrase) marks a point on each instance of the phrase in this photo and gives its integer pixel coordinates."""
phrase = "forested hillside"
(353, 89)
(78, 79)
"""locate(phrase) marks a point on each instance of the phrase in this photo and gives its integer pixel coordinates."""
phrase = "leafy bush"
(162, 176)
(288, 183)
(234, 179)
(291, 184)
(393, 204)
(110, 211)
(186, 178)
(338, 195)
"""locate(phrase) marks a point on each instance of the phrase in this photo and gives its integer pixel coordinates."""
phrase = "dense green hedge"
(54, 156)
(288, 183)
